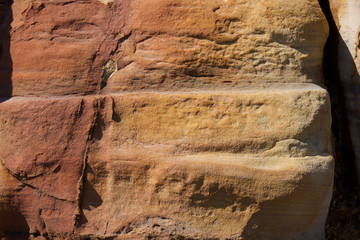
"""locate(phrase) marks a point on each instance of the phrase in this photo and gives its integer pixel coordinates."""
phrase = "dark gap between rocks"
(6, 64)
(343, 218)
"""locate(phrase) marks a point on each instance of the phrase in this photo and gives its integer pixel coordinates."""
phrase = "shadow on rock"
(13, 225)
(343, 221)
(6, 64)
(90, 199)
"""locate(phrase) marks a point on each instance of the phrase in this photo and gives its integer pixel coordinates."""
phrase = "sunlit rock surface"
(169, 119)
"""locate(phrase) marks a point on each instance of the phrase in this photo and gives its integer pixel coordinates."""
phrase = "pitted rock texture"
(164, 119)
(212, 164)
(168, 44)
(180, 156)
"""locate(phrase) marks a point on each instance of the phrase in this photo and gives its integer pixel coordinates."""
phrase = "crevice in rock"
(6, 64)
(79, 217)
(108, 70)
(342, 220)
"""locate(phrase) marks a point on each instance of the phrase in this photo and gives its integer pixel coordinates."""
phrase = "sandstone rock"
(170, 164)
(201, 120)
(195, 164)
(43, 142)
(221, 43)
(167, 44)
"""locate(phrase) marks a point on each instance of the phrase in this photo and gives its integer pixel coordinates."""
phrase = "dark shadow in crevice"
(346, 189)
(89, 198)
(344, 151)
(13, 225)
(6, 64)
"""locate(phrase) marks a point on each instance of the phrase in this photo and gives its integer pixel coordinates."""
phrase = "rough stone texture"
(201, 119)
(43, 142)
(209, 44)
(173, 154)
(222, 43)
(211, 164)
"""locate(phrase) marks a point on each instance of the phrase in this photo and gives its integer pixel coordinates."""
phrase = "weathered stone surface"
(211, 164)
(209, 195)
(201, 120)
(167, 44)
(170, 157)
(43, 143)
(54, 46)
(235, 121)
(222, 43)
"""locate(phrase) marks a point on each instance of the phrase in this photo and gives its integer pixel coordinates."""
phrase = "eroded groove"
(79, 213)
(342, 218)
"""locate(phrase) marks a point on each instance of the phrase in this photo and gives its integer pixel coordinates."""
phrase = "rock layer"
(197, 164)
(169, 155)
(167, 44)
(169, 119)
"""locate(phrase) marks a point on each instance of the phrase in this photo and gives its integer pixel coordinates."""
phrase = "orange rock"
(43, 144)
(164, 44)
(201, 119)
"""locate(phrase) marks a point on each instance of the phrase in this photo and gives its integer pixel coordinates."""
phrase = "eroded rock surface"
(169, 119)
(211, 162)
(164, 44)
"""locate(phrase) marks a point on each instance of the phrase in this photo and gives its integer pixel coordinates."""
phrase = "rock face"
(169, 119)
(167, 44)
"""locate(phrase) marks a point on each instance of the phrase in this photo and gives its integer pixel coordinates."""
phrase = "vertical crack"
(79, 213)
(341, 216)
